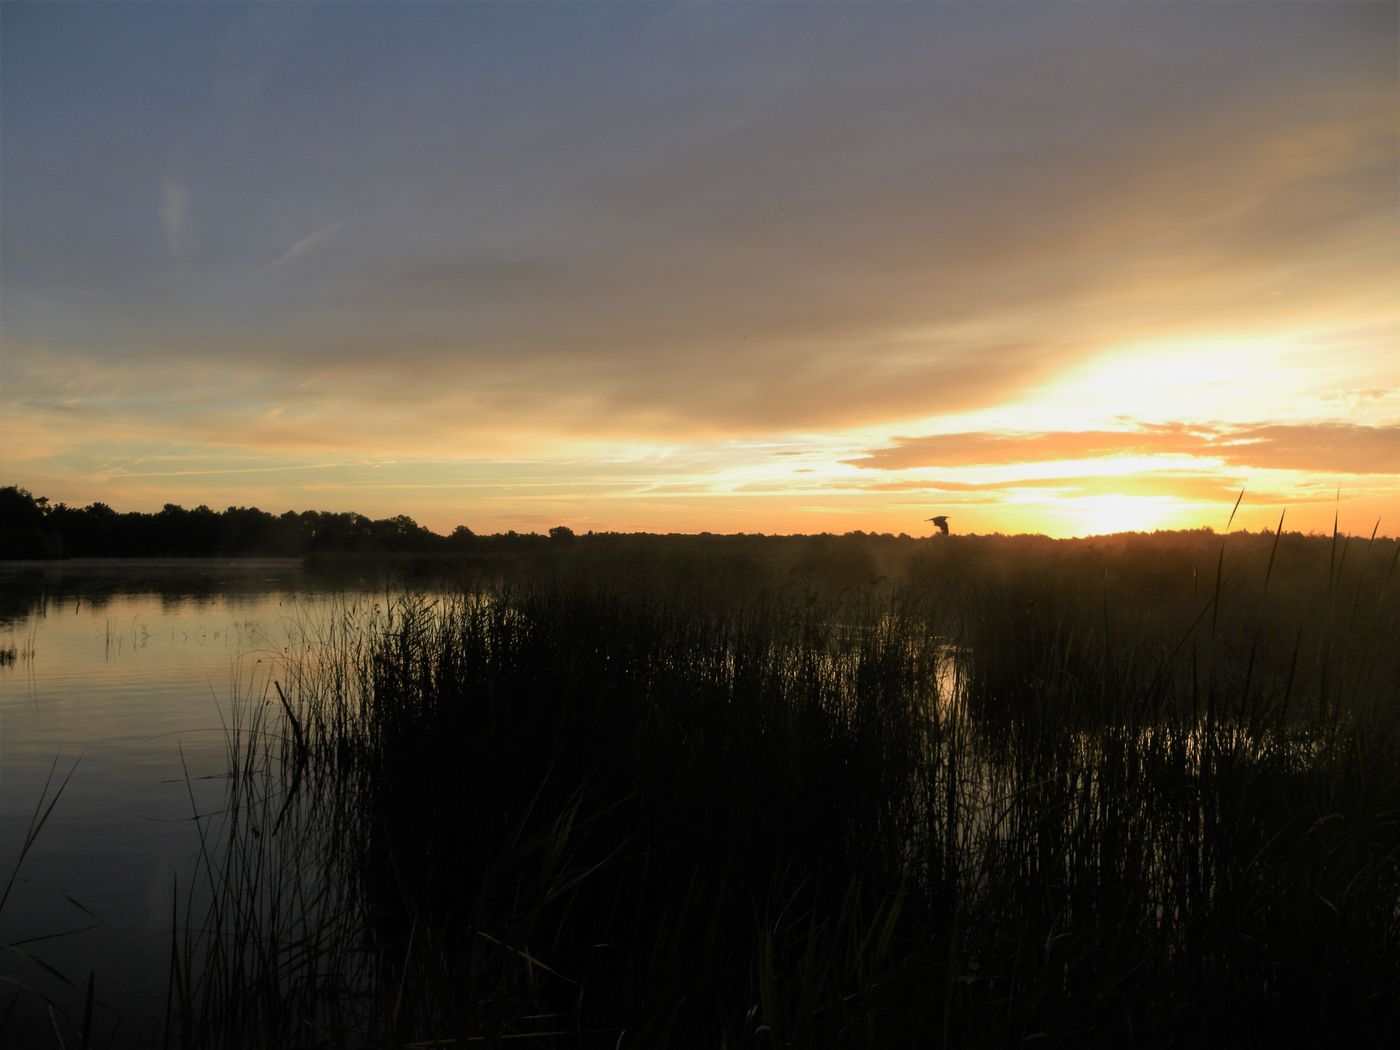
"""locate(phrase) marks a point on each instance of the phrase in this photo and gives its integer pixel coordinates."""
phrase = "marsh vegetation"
(1143, 790)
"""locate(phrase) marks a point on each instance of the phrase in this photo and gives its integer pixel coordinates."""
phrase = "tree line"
(33, 527)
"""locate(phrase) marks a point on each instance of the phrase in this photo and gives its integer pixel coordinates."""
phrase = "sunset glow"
(1067, 269)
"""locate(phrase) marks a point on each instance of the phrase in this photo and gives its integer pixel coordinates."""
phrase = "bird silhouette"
(941, 521)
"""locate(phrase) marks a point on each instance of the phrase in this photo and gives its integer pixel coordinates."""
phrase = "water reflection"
(29, 587)
(139, 680)
(126, 671)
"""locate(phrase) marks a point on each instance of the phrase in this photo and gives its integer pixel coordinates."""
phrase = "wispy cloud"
(174, 207)
(303, 246)
(218, 471)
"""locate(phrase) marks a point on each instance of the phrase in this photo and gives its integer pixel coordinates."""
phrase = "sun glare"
(1188, 379)
(1100, 515)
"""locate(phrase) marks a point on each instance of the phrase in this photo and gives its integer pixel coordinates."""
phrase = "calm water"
(124, 671)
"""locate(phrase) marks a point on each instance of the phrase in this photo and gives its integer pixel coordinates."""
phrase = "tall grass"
(1068, 796)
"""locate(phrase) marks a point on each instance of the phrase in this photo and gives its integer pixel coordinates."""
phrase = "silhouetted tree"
(31, 528)
(23, 532)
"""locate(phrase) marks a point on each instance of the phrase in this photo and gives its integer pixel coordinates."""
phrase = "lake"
(552, 769)
(120, 678)
(123, 674)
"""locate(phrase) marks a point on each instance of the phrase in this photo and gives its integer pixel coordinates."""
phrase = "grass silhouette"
(980, 792)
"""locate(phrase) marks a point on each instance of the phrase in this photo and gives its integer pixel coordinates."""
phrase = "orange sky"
(779, 268)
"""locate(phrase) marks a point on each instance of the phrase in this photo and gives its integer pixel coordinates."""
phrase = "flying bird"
(941, 521)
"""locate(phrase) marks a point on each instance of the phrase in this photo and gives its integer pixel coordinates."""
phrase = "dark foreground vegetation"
(811, 792)
(1136, 792)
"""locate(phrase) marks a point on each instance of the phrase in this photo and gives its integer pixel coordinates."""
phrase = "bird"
(941, 521)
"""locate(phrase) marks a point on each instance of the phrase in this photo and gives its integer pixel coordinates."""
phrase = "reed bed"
(1068, 798)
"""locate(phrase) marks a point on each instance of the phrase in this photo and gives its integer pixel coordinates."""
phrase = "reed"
(1055, 794)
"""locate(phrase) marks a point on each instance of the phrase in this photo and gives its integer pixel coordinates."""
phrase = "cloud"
(1318, 447)
(1364, 397)
(175, 200)
(214, 471)
(709, 300)
(1326, 447)
(1191, 486)
(303, 246)
(786, 221)
(730, 231)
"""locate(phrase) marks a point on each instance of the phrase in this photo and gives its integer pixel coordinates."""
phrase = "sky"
(1060, 268)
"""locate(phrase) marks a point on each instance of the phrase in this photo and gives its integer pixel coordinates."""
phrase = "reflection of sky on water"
(140, 681)
(135, 688)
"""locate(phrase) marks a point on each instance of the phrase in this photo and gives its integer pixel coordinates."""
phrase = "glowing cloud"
(366, 256)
